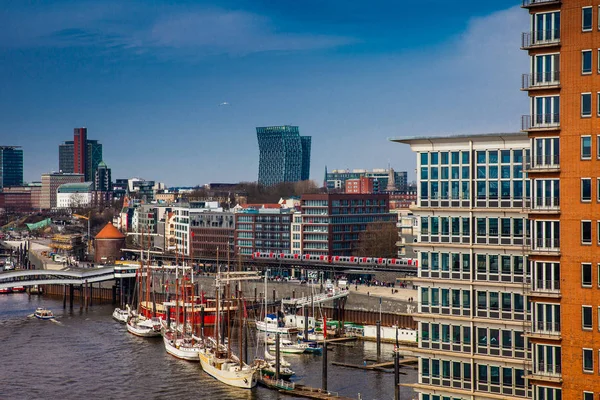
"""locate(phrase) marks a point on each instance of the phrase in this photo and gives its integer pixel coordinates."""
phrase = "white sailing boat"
(289, 347)
(121, 315)
(217, 361)
(185, 346)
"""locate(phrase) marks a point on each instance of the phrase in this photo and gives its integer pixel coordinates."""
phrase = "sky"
(147, 80)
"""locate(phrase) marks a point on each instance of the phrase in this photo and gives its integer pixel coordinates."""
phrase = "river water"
(88, 355)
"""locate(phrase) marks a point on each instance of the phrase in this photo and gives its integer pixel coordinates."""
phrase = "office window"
(586, 147)
(586, 104)
(586, 317)
(588, 360)
(586, 232)
(586, 275)
(586, 19)
(598, 106)
(586, 61)
(586, 189)
(588, 396)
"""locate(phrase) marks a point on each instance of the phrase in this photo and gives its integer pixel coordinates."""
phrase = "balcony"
(546, 329)
(545, 205)
(544, 288)
(544, 80)
(540, 122)
(539, 39)
(542, 163)
(536, 3)
(541, 370)
(545, 246)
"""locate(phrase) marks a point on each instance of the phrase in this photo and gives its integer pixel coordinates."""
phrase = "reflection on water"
(86, 354)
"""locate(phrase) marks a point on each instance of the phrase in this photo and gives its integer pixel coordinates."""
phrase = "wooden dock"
(313, 393)
(338, 341)
(381, 366)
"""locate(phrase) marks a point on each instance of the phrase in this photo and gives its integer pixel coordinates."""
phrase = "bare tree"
(378, 240)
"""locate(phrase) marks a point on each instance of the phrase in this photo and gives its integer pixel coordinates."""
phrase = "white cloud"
(198, 31)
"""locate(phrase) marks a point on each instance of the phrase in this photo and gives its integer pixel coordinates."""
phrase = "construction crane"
(89, 239)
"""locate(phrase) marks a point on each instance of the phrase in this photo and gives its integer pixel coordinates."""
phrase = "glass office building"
(284, 155)
(11, 166)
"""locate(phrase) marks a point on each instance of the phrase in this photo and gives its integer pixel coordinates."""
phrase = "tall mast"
(229, 302)
(218, 324)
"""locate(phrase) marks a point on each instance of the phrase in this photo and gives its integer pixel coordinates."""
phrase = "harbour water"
(87, 355)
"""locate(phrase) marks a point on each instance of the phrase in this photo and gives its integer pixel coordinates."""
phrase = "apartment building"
(473, 315)
(263, 229)
(563, 85)
(332, 222)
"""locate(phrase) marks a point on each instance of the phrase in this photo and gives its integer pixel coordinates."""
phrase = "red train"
(375, 261)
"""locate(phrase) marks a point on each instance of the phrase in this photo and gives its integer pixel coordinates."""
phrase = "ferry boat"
(216, 363)
(43, 313)
(18, 289)
(6, 290)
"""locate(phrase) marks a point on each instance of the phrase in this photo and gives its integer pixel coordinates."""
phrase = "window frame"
(583, 9)
(581, 146)
(583, 71)
(585, 221)
(583, 351)
(586, 200)
(591, 316)
(583, 284)
(581, 104)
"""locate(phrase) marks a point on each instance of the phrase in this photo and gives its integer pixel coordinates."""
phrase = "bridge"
(71, 276)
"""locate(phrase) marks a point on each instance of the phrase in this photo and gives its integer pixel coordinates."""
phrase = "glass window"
(588, 396)
(424, 158)
(493, 157)
(586, 104)
(444, 158)
(481, 157)
(586, 189)
(455, 158)
(586, 19)
(588, 360)
(465, 157)
(586, 62)
(505, 156)
(586, 275)
(586, 317)
(586, 147)
(586, 232)
(434, 158)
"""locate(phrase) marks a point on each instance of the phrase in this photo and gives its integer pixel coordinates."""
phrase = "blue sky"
(147, 80)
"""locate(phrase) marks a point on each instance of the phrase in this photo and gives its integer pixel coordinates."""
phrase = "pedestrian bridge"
(70, 276)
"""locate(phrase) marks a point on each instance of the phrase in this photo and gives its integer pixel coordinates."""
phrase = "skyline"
(150, 87)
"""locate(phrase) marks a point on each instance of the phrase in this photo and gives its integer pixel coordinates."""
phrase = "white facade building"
(74, 195)
(473, 313)
(181, 220)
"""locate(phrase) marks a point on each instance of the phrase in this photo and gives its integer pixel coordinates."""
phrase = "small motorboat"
(288, 347)
(43, 313)
(120, 315)
(18, 289)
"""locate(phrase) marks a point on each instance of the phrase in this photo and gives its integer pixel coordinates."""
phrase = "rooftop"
(77, 187)
(109, 232)
(457, 137)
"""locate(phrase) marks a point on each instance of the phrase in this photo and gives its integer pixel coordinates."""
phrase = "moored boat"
(144, 327)
(226, 370)
(120, 315)
(43, 313)
(6, 290)
(288, 347)
(18, 289)
(185, 349)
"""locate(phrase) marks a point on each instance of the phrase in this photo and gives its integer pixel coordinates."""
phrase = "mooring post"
(324, 376)
(305, 312)
(71, 295)
(277, 352)
(378, 339)
(92, 293)
(81, 297)
(114, 294)
(273, 295)
(64, 296)
(396, 370)
(85, 295)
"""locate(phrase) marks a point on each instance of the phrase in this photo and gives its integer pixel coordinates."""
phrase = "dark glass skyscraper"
(11, 166)
(103, 181)
(65, 157)
(80, 155)
(284, 155)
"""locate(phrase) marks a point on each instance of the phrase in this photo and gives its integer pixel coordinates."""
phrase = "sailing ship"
(216, 359)
(181, 344)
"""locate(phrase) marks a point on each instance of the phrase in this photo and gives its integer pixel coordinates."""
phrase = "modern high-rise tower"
(11, 166)
(80, 155)
(80, 151)
(284, 155)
